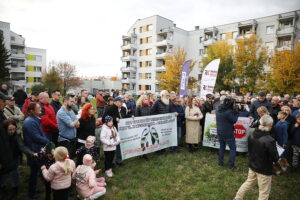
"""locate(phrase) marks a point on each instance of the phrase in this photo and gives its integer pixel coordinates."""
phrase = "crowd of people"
(61, 142)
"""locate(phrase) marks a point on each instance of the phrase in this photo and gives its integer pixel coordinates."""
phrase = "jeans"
(34, 171)
(100, 111)
(179, 135)
(232, 146)
(14, 175)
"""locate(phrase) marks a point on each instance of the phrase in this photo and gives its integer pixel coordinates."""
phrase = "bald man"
(48, 118)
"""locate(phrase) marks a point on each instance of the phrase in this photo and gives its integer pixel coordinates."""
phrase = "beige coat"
(193, 128)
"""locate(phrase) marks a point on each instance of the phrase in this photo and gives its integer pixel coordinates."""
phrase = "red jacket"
(48, 117)
(100, 101)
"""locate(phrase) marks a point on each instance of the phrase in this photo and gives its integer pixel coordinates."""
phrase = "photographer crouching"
(226, 116)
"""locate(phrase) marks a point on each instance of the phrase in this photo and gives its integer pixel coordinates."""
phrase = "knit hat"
(108, 119)
(90, 141)
(49, 146)
(87, 160)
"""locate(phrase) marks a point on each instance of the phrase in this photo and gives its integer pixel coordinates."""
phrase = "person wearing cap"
(261, 101)
(33, 98)
(115, 111)
(20, 96)
(11, 111)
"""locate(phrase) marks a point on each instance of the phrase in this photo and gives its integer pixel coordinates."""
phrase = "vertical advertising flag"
(184, 79)
(209, 78)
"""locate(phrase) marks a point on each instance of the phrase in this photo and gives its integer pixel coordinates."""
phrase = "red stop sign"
(239, 131)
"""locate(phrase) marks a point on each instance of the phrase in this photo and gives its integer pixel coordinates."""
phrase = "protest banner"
(184, 79)
(143, 135)
(209, 77)
(241, 132)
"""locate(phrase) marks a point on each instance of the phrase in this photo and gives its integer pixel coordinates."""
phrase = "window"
(140, 75)
(205, 49)
(149, 63)
(140, 87)
(286, 24)
(222, 36)
(141, 52)
(149, 52)
(14, 63)
(16, 76)
(201, 39)
(38, 58)
(208, 36)
(270, 29)
(149, 27)
(12, 38)
(133, 31)
(141, 29)
(149, 39)
(141, 40)
(37, 79)
(234, 34)
(148, 87)
(14, 51)
(148, 75)
(201, 52)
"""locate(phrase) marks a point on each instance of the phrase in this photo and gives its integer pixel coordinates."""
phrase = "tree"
(284, 76)
(4, 60)
(38, 88)
(170, 79)
(51, 79)
(222, 50)
(249, 60)
(68, 74)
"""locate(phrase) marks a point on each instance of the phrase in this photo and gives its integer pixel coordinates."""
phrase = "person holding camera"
(226, 116)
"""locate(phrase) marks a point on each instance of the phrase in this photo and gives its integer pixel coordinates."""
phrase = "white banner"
(143, 135)
(241, 132)
(209, 78)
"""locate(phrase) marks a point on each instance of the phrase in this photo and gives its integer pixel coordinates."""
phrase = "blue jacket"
(281, 129)
(66, 128)
(181, 114)
(34, 138)
(226, 118)
(130, 104)
(295, 113)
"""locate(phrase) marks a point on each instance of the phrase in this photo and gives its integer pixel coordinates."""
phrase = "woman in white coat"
(193, 115)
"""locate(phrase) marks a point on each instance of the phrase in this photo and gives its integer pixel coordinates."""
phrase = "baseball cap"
(118, 99)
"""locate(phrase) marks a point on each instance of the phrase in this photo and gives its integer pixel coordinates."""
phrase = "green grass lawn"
(184, 176)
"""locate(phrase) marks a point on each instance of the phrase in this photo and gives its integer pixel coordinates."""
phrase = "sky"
(88, 33)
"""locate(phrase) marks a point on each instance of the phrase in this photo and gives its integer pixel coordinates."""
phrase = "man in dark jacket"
(275, 108)
(115, 111)
(262, 154)
(55, 103)
(20, 97)
(226, 117)
(207, 107)
(178, 109)
(262, 101)
(162, 105)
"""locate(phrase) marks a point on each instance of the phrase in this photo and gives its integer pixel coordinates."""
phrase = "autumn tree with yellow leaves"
(223, 50)
(170, 79)
(284, 76)
(249, 60)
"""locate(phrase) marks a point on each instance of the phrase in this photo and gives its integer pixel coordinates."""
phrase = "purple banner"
(184, 79)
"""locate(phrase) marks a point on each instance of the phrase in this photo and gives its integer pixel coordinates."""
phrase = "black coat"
(56, 105)
(86, 128)
(142, 111)
(262, 152)
(160, 108)
(6, 156)
(20, 97)
(112, 111)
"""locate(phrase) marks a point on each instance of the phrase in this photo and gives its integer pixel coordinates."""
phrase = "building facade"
(27, 63)
(151, 38)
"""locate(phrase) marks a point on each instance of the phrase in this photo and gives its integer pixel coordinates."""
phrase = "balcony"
(128, 58)
(284, 47)
(160, 55)
(160, 68)
(17, 44)
(286, 31)
(128, 69)
(128, 80)
(128, 46)
(19, 56)
(208, 42)
(163, 43)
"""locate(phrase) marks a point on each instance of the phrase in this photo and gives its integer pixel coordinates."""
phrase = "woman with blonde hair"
(143, 107)
(193, 115)
(60, 173)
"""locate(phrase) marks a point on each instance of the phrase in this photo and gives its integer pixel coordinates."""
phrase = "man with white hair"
(275, 108)
(48, 117)
(162, 105)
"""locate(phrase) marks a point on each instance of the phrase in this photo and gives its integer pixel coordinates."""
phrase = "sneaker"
(234, 169)
(109, 173)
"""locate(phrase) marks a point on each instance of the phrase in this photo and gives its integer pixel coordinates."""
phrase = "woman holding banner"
(193, 115)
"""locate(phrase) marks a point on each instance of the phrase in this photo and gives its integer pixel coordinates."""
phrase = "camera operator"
(226, 116)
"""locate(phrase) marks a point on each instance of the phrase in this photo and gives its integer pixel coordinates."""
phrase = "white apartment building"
(27, 63)
(151, 38)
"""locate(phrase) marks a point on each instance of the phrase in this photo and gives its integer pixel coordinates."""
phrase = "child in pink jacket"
(60, 173)
(87, 185)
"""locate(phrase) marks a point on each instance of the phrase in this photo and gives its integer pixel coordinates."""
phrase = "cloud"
(88, 33)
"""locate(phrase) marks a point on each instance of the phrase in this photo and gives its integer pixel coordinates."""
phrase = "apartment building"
(27, 63)
(152, 38)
